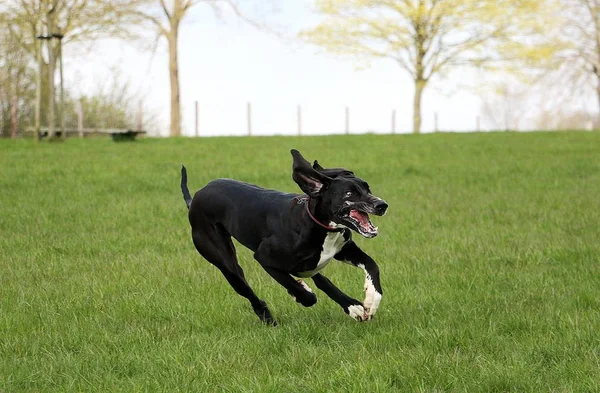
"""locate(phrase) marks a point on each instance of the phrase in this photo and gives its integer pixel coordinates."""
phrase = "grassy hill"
(490, 261)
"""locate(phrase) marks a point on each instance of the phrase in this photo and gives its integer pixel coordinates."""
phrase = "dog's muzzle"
(358, 215)
(380, 207)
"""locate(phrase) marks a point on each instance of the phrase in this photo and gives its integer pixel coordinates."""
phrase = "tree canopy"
(429, 38)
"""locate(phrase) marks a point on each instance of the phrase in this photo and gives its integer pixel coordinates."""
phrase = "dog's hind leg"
(217, 248)
(297, 288)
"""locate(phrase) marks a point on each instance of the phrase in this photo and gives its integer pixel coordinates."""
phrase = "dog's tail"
(184, 188)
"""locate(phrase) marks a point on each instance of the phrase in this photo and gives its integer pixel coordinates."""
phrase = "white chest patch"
(334, 241)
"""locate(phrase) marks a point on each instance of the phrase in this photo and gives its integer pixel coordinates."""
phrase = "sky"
(225, 63)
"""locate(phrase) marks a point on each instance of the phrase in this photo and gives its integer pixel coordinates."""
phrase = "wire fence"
(254, 119)
(250, 119)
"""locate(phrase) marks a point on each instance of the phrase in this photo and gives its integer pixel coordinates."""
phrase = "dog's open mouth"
(363, 224)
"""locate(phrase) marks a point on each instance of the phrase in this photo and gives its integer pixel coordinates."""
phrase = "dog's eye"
(349, 194)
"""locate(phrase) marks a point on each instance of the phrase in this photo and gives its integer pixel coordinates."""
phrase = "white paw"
(358, 313)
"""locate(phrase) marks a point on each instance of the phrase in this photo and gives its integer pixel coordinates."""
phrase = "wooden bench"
(117, 134)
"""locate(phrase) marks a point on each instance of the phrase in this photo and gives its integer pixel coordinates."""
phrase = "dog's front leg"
(352, 254)
(351, 306)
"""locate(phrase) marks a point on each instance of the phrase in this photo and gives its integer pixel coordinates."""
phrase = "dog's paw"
(264, 314)
(357, 312)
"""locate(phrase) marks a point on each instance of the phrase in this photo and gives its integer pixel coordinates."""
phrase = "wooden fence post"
(196, 118)
(80, 119)
(140, 125)
(393, 121)
(299, 120)
(347, 120)
(249, 119)
(14, 117)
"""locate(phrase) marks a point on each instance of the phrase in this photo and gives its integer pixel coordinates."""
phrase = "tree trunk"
(597, 75)
(38, 89)
(63, 126)
(51, 64)
(419, 86)
(5, 115)
(174, 78)
(595, 11)
(598, 94)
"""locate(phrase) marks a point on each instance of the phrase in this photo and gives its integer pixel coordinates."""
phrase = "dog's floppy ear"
(309, 180)
(332, 172)
(317, 167)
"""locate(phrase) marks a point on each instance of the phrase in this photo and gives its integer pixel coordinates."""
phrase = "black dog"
(290, 234)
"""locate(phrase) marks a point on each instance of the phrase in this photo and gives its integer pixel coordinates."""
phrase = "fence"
(210, 119)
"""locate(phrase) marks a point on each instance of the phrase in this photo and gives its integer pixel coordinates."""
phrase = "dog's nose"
(381, 207)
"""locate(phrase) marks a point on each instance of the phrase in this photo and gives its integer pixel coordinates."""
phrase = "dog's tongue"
(363, 220)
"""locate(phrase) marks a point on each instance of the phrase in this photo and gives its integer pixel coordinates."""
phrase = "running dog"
(291, 235)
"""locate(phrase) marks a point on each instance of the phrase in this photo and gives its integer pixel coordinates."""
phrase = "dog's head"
(343, 197)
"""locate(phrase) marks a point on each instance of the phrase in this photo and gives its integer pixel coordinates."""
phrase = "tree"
(16, 87)
(166, 19)
(23, 21)
(581, 59)
(167, 25)
(429, 38)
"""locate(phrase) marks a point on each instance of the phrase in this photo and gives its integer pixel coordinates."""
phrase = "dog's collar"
(329, 228)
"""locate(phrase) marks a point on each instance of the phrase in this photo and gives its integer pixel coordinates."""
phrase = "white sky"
(225, 63)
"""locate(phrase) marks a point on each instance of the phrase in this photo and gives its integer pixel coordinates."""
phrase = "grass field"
(490, 261)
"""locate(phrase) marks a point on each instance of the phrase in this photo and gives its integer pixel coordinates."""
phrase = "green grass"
(490, 261)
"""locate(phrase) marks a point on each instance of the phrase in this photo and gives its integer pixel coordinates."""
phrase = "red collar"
(327, 227)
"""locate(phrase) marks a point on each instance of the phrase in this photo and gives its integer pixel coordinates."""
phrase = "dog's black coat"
(279, 229)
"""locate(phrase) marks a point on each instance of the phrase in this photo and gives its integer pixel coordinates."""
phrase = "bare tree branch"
(165, 10)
